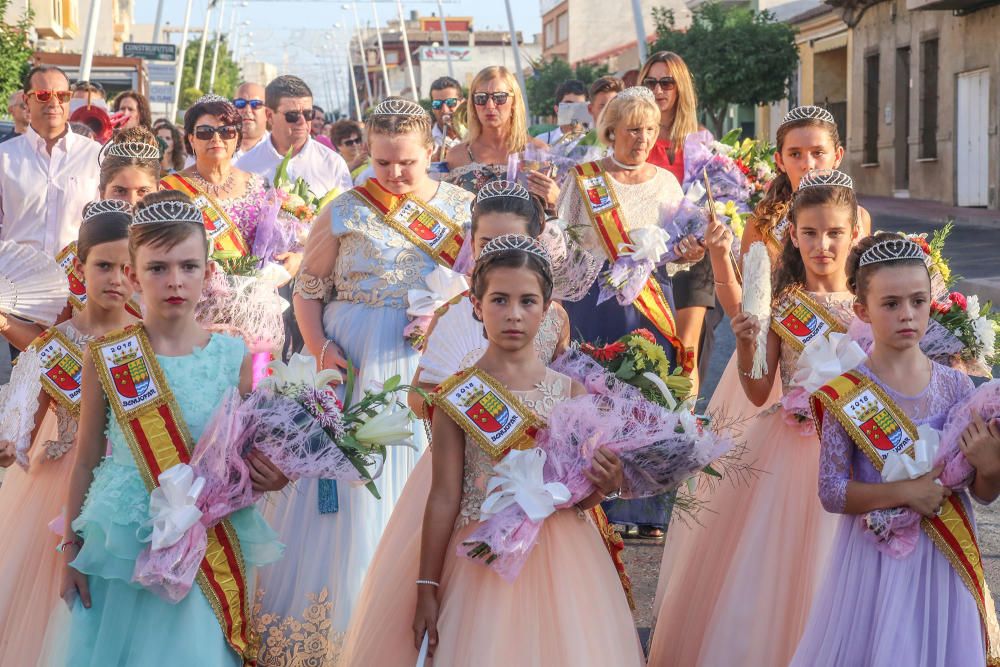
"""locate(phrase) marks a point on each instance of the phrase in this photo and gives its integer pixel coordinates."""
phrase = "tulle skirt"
(31, 569)
(879, 611)
(566, 607)
(307, 599)
(736, 589)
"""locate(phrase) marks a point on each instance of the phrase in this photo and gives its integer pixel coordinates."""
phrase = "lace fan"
(32, 285)
(456, 343)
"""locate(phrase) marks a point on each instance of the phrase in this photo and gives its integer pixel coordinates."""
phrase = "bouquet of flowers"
(637, 359)
(753, 157)
(941, 274)
(296, 420)
(296, 198)
(975, 326)
(543, 160)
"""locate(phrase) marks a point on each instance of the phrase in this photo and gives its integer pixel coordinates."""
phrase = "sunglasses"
(499, 99)
(44, 96)
(294, 116)
(241, 103)
(351, 142)
(666, 83)
(206, 132)
(452, 102)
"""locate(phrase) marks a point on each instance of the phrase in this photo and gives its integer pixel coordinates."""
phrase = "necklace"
(216, 190)
(622, 165)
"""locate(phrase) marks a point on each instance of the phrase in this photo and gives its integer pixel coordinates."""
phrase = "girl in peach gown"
(33, 493)
(566, 606)
(737, 588)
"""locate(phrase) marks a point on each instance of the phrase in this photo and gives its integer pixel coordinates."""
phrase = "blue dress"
(308, 598)
(126, 625)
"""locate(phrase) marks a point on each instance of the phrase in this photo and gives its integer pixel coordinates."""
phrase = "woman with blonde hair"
(497, 127)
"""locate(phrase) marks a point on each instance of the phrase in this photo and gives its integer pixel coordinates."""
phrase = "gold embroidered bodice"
(840, 305)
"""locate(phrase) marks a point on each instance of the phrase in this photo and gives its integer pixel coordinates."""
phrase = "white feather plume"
(757, 300)
(32, 286)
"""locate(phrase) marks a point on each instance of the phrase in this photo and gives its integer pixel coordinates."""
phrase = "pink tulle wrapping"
(656, 454)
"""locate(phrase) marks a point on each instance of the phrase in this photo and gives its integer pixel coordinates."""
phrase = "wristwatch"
(614, 495)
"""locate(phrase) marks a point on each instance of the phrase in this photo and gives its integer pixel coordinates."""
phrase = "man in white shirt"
(446, 99)
(568, 92)
(249, 101)
(48, 173)
(288, 101)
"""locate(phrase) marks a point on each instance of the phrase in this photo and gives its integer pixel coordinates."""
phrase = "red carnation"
(742, 167)
(645, 333)
(941, 308)
(609, 351)
(922, 242)
(959, 299)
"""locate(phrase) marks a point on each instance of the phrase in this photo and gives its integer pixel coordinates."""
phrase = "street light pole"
(517, 59)
(179, 72)
(354, 83)
(204, 40)
(215, 47)
(381, 52)
(361, 52)
(447, 46)
(90, 40)
(640, 31)
(406, 50)
(159, 22)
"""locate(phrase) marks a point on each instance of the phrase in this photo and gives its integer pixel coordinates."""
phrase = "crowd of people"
(424, 246)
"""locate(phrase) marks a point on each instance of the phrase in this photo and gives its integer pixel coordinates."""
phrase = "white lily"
(300, 370)
(519, 479)
(648, 243)
(901, 466)
(173, 505)
(389, 427)
(662, 386)
(688, 419)
(443, 286)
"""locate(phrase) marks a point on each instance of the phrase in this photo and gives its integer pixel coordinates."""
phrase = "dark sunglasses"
(499, 99)
(451, 102)
(206, 132)
(241, 103)
(44, 96)
(666, 83)
(351, 142)
(294, 116)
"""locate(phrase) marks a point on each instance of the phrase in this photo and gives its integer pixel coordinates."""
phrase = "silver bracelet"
(428, 582)
(322, 352)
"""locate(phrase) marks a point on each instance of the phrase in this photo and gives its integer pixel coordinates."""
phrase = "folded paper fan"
(455, 343)
(32, 286)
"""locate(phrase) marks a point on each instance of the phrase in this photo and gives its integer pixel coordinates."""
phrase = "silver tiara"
(818, 177)
(642, 92)
(168, 211)
(891, 250)
(138, 150)
(211, 97)
(520, 242)
(807, 112)
(395, 106)
(501, 188)
(102, 206)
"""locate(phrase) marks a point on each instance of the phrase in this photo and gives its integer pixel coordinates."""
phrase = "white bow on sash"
(519, 479)
(825, 358)
(444, 285)
(172, 505)
(901, 466)
(648, 243)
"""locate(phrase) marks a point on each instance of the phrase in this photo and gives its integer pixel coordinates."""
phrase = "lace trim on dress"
(289, 641)
(311, 287)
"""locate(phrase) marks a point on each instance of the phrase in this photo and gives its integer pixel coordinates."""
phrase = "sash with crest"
(78, 286)
(224, 235)
(158, 437)
(487, 411)
(420, 223)
(608, 219)
(878, 426)
(62, 368)
(778, 233)
(798, 318)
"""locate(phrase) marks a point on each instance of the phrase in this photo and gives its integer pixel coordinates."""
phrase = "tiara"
(168, 211)
(637, 91)
(501, 188)
(891, 250)
(518, 242)
(102, 206)
(395, 106)
(818, 177)
(211, 97)
(138, 150)
(807, 112)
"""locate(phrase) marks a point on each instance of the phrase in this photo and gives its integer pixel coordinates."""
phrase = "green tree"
(227, 72)
(737, 56)
(15, 52)
(549, 74)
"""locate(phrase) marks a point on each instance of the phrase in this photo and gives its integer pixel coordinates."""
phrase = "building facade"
(60, 25)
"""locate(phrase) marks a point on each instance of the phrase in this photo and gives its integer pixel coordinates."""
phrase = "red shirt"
(660, 157)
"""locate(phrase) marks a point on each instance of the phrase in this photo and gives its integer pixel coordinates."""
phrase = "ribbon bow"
(648, 243)
(825, 358)
(900, 465)
(444, 285)
(519, 480)
(172, 505)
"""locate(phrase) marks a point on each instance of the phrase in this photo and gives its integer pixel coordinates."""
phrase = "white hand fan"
(456, 343)
(32, 285)
(757, 300)
(19, 402)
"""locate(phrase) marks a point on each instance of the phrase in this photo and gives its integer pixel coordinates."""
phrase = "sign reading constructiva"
(441, 53)
(164, 52)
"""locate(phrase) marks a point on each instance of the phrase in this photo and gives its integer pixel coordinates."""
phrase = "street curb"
(988, 289)
(929, 212)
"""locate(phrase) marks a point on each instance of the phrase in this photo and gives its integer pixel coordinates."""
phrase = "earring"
(611, 135)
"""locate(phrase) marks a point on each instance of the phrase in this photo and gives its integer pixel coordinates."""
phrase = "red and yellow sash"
(159, 439)
(62, 368)
(608, 220)
(799, 318)
(487, 411)
(78, 286)
(421, 224)
(878, 426)
(225, 236)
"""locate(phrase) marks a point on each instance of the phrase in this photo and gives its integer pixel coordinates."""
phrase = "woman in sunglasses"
(348, 138)
(497, 128)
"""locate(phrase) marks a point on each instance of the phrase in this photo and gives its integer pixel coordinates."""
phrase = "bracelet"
(428, 582)
(69, 543)
(322, 352)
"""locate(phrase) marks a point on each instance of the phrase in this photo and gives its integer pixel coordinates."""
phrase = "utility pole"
(90, 40)
(447, 46)
(406, 51)
(204, 40)
(381, 52)
(215, 47)
(179, 72)
(517, 59)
